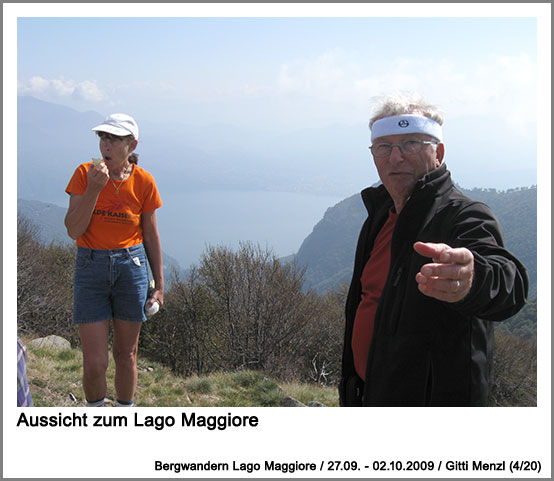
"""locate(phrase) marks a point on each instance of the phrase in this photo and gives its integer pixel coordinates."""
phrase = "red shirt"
(373, 281)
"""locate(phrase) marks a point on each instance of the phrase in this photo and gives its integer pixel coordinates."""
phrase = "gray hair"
(405, 103)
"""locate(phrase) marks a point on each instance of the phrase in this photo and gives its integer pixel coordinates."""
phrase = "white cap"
(119, 124)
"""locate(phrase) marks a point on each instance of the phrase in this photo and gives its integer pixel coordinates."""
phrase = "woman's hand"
(156, 295)
(98, 177)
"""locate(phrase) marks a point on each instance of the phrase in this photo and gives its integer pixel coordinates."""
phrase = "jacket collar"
(433, 183)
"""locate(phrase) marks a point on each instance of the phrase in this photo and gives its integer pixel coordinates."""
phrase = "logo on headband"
(403, 123)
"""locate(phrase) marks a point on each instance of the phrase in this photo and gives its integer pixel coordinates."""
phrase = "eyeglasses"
(407, 147)
(111, 137)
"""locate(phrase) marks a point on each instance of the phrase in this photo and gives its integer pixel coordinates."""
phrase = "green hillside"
(516, 210)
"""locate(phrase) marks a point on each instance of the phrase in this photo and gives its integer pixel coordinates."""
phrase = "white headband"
(406, 124)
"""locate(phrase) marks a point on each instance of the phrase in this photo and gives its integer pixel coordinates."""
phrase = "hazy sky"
(280, 73)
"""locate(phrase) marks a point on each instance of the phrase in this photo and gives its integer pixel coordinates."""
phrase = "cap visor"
(112, 130)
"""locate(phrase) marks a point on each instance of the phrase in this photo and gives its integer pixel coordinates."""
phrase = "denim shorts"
(110, 284)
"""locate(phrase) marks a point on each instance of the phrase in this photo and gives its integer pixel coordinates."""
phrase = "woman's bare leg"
(125, 350)
(94, 344)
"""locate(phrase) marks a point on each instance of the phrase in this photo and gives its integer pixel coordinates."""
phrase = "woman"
(112, 217)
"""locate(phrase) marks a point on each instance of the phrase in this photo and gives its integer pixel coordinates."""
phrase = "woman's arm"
(82, 206)
(79, 214)
(153, 247)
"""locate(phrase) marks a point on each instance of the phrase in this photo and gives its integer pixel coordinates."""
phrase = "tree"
(258, 305)
(180, 335)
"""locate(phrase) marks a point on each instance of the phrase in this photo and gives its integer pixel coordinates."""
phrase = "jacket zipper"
(398, 276)
(393, 320)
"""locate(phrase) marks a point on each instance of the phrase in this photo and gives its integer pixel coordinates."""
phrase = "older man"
(430, 275)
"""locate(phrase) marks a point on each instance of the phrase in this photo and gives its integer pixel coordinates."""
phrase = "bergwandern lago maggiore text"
(187, 420)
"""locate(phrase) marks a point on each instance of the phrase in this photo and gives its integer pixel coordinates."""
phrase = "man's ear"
(440, 152)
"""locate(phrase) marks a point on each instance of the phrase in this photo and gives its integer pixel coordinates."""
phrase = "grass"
(55, 380)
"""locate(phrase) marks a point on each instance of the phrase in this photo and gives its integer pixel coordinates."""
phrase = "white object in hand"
(151, 310)
(97, 162)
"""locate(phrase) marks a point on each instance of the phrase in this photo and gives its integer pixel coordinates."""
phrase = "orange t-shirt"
(116, 219)
(373, 281)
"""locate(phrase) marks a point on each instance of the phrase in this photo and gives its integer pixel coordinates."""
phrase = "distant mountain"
(328, 252)
(53, 140)
(332, 160)
(49, 219)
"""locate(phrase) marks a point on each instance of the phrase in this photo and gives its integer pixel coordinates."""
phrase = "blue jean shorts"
(110, 284)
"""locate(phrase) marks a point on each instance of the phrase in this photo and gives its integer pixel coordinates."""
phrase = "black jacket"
(425, 351)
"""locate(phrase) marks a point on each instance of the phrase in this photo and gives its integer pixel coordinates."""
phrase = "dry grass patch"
(55, 380)
(306, 393)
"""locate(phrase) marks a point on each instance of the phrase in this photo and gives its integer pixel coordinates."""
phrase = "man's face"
(399, 171)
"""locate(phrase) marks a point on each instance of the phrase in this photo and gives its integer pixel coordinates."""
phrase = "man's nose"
(396, 154)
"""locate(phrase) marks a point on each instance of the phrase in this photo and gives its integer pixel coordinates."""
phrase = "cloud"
(329, 76)
(59, 88)
(89, 91)
(502, 86)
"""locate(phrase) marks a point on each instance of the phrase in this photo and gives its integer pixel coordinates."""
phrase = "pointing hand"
(449, 277)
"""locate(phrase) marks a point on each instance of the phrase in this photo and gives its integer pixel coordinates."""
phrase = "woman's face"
(115, 150)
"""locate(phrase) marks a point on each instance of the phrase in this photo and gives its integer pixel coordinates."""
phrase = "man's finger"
(445, 271)
(444, 253)
(441, 295)
(431, 249)
(460, 255)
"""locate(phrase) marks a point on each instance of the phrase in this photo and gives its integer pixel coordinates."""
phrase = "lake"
(189, 221)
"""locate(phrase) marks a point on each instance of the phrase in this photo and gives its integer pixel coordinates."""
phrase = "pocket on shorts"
(138, 257)
(137, 266)
(81, 262)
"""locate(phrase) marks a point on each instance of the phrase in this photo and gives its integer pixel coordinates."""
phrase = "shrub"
(44, 285)
(514, 371)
